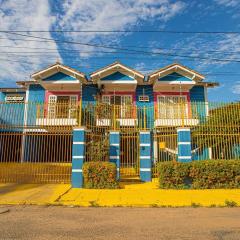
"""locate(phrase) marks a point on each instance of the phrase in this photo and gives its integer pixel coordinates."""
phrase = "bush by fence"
(100, 175)
(200, 174)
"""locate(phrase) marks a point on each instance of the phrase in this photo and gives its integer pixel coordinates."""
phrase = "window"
(172, 107)
(62, 106)
(124, 107)
(117, 99)
(106, 99)
(14, 99)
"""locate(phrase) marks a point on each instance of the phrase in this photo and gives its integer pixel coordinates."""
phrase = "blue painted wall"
(2, 97)
(175, 77)
(11, 113)
(36, 93)
(146, 90)
(117, 76)
(197, 94)
(89, 92)
(59, 77)
(36, 99)
(198, 102)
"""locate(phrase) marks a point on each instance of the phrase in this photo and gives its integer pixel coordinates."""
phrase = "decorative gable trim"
(178, 68)
(116, 67)
(58, 67)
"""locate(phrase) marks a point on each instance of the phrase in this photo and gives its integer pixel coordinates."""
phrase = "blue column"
(78, 157)
(184, 144)
(114, 150)
(145, 156)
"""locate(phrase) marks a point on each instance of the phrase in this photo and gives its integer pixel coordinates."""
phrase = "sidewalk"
(136, 194)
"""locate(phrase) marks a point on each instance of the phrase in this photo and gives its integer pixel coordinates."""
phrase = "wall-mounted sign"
(143, 98)
(14, 98)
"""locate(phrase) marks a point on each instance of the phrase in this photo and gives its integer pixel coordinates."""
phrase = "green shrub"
(200, 174)
(100, 175)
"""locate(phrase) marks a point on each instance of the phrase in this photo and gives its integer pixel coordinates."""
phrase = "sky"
(217, 56)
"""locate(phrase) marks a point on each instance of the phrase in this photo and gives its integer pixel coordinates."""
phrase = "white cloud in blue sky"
(23, 15)
(236, 88)
(113, 15)
(228, 3)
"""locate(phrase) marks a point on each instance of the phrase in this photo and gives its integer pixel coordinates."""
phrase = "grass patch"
(230, 203)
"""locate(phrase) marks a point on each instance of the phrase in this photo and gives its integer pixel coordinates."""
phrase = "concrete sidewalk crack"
(60, 196)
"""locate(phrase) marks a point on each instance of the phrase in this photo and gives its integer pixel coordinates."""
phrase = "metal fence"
(164, 147)
(36, 138)
(35, 157)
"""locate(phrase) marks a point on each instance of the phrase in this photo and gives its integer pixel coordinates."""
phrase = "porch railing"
(98, 115)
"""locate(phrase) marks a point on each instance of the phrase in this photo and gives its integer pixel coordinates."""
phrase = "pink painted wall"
(59, 93)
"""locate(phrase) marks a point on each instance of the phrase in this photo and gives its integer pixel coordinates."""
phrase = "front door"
(62, 106)
(129, 155)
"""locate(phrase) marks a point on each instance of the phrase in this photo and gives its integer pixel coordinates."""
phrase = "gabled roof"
(58, 67)
(118, 67)
(176, 67)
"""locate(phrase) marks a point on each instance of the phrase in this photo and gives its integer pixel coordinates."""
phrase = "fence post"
(78, 157)
(145, 156)
(80, 113)
(184, 144)
(114, 150)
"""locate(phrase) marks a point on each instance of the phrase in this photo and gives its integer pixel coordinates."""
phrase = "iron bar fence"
(36, 138)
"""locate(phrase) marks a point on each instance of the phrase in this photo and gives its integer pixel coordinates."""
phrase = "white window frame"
(170, 115)
(106, 97)
(52, 105)
(123, 108)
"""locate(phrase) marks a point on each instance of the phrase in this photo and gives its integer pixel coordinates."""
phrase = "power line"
(121, 31)
(109, 52)
(126, 46)
(131, 50)
(144, 69)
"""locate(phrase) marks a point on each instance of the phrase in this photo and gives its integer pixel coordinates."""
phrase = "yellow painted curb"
(150, 198)
(138, 195)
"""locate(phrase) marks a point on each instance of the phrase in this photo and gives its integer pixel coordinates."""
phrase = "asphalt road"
(34, 222)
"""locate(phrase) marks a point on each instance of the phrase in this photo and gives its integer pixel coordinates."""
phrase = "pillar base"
(145, 156)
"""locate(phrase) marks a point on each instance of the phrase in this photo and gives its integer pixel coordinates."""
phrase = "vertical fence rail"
(35, 157)
(164, 147)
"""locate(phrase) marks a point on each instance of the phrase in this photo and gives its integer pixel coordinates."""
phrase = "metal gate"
(129, 154)
(36, 156)
(165, 146)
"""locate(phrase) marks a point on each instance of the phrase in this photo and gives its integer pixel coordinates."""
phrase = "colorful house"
(126, 117)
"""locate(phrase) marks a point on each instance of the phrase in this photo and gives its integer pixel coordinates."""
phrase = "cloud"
(207, 48)
(23, 15)
(228, 3)
(113, 15)
(236, 88)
